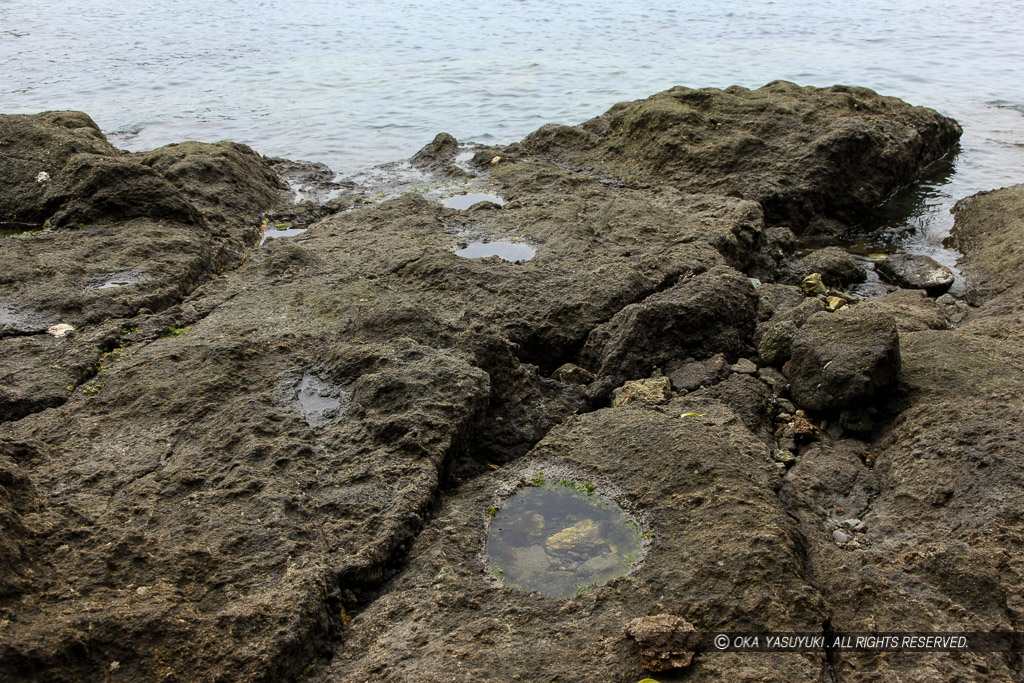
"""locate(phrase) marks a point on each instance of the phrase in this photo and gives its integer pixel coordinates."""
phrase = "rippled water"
(354, 84)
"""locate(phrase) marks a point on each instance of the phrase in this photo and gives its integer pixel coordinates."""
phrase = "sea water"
(355, 84)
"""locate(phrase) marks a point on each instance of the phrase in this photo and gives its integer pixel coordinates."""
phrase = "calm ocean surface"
(354, 84)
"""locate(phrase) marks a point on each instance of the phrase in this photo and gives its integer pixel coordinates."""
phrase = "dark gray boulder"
(843, 359)
(836, 267)
(915, 271)
(714, 312)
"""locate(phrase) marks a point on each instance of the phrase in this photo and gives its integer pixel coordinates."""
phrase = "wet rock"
(30, 144)
(842, 359)
(652, 392)
(836, 267)
(854, 147)
(987, 233)
(915, 271)
(438, 154)
(17, 320)
(665, 641)
(570, 373)
(950, 305)
(585, 534)
(776, 342)
(714, 311)
(700, 373)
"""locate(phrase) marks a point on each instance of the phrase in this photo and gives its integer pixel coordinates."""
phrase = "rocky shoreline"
(223, 461)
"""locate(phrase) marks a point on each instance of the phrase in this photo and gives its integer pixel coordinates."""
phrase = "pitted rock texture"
(842, 359)
(803, 153)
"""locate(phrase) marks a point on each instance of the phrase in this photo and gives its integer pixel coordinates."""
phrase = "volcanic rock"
(915, 271)
(843, 358)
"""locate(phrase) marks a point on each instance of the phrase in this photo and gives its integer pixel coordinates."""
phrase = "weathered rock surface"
(986, 233)
(705, 488)
(836, 267)
(192, 509)
(843, 358)
(915, 271)
(940, 494)
(716, 311)
(799, 152)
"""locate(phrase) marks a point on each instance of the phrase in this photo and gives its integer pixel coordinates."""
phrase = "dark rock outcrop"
(843, 358)
(714, 311)
(298, 455)
(802, 153)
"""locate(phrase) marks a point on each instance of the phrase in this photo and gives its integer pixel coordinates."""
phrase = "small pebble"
(744, 366)
(839, 537)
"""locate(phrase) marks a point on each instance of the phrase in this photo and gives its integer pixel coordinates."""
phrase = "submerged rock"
(583, 535)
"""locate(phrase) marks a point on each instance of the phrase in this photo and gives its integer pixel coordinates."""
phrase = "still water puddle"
(516, 252)
(462, 202)
(560, 538)
(115, 280)
(16, 229)
(286, 230)
(321, 402)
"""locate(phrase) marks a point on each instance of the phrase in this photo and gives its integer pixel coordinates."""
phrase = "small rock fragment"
(665, 641)
(60, 330)
(570, 373)
(840, 537)
(834, 303)
(652, 392)
(813, 286)
(784, 456)
(744, 366)
(776, 343)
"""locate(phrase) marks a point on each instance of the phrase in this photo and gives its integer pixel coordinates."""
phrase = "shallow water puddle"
(320, 401)
(273, 232)
(462, 202)
(16, 229)
(516, 252)
(560, 538)
(115, 280)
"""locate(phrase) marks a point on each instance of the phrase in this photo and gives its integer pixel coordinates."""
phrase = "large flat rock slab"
(703, 487)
